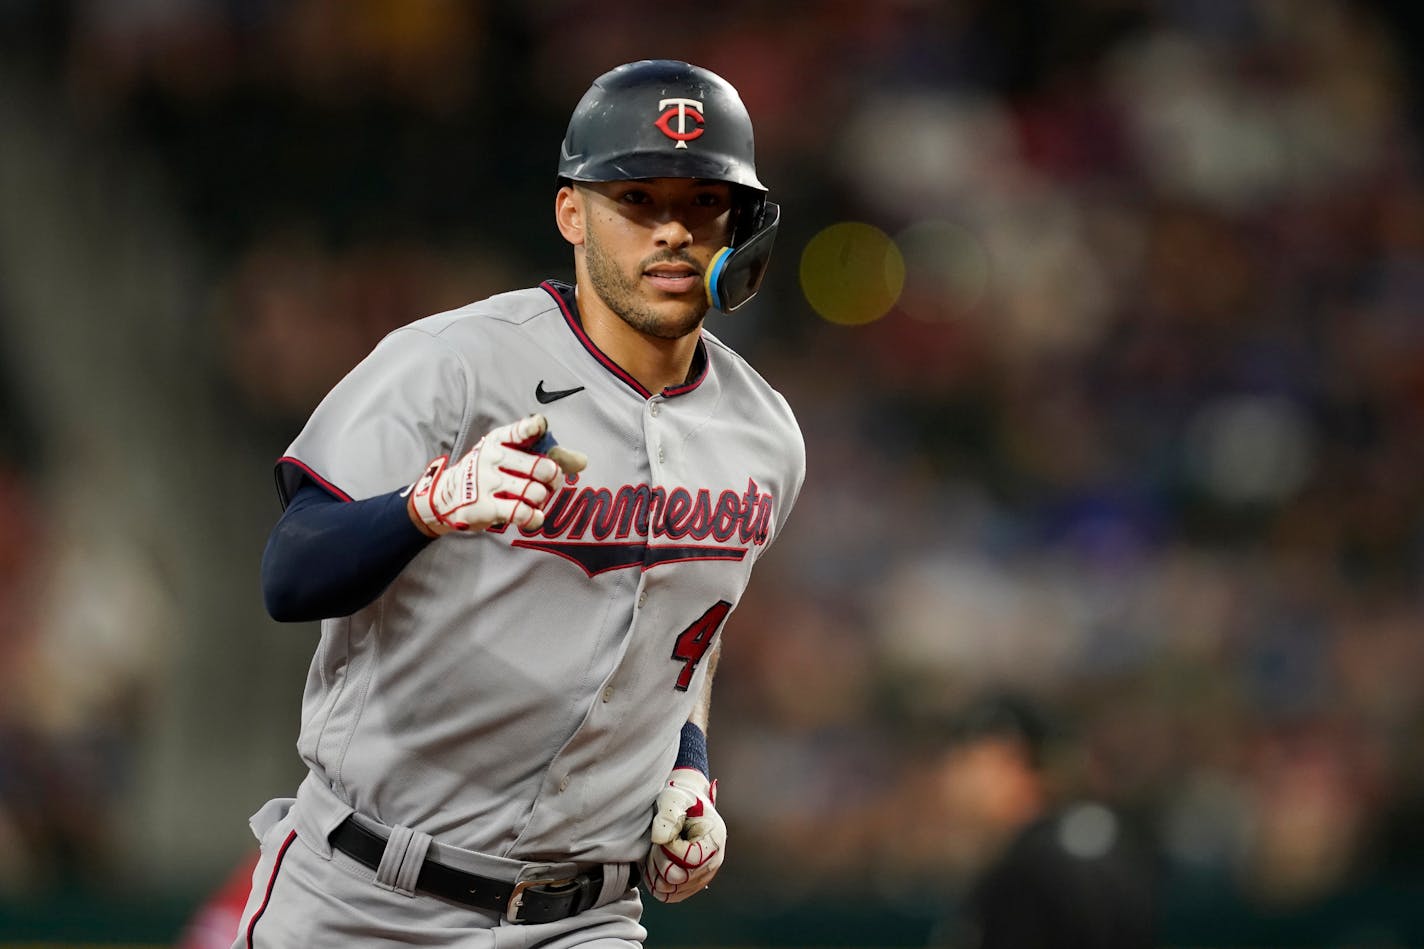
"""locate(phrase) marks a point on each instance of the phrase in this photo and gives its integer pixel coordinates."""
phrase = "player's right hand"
(502, 480)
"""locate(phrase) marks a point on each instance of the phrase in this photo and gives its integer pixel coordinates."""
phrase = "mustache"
(672, 257)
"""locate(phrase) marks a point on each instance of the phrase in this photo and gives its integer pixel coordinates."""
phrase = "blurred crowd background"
(1139, 441)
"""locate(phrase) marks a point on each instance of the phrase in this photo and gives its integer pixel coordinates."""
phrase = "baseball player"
(523, 524)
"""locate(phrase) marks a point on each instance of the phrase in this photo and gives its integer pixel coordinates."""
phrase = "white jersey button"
(642, 597)
(654, 409)
(564, 783)
(608, 694)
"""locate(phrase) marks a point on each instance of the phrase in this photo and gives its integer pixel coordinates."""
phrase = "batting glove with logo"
(507, 478)
(689, 837)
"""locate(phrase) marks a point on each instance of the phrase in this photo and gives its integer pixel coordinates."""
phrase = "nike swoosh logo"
(545, 396)
(564, 152)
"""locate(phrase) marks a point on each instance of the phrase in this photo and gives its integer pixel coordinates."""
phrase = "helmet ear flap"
(748, 209)
(735, 274)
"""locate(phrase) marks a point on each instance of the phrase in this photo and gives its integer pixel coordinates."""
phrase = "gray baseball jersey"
(521, 693)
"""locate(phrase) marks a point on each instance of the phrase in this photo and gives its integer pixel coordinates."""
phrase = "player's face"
(647, 244)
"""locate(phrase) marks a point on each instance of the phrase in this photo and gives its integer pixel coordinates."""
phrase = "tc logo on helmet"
(682, 113)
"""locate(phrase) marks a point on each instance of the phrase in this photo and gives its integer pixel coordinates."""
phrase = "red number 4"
(692, 643)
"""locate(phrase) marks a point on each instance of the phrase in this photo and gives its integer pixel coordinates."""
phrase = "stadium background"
(1102, 318)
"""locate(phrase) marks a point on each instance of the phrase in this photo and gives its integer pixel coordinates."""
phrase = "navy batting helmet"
(661, 118)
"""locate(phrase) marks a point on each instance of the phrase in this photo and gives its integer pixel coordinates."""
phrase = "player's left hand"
(689, 837)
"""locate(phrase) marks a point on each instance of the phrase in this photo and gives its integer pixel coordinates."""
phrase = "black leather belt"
(528, 901)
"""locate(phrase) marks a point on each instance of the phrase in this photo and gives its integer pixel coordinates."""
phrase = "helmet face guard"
(669, 119)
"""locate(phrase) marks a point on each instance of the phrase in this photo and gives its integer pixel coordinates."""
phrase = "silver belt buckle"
(516, 899)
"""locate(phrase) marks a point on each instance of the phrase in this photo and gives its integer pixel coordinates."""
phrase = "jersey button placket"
(655, 408)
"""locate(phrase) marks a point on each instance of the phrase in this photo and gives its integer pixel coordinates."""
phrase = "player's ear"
(569, 214)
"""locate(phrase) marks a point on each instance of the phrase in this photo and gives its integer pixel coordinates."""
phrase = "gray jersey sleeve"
(405, 403)
(795, 450)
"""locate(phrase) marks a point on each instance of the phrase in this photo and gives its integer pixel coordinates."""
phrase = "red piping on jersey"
(692, 384)
(609, 364)
(271, 881)
(330, 488)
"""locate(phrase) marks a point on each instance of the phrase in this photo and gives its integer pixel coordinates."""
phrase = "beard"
(621, 293)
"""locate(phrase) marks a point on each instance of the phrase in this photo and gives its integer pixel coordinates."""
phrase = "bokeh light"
(947, 269)
(852, 273)
(1250, 449)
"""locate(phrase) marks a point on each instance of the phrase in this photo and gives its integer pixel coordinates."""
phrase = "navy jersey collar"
(564, 295)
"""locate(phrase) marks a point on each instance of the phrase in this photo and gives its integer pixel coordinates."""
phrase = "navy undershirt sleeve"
(328, 557)
(692, 750)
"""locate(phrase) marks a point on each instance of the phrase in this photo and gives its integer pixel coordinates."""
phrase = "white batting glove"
(689, 837)
(502, 480)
